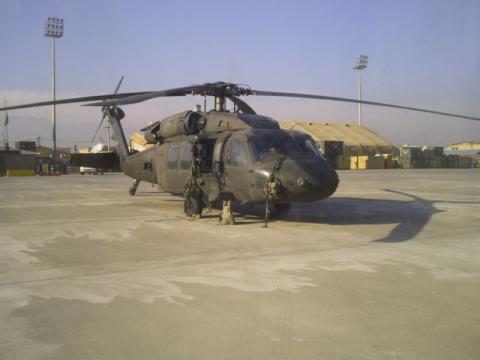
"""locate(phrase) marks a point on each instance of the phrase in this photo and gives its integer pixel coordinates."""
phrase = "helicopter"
(222, 156)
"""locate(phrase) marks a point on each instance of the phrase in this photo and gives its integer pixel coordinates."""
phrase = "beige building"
(63, 153)
(466, 145)
(138, 142)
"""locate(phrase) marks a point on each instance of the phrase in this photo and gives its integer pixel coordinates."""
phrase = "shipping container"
(387, 161)
(353, 162)
(366, 162)
(411, 152)
(20, 172)
(465, 162)
(342, 162)
(411, 163)
(453, 161)
(16, 161)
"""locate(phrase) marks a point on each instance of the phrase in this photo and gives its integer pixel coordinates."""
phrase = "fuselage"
(236, 159)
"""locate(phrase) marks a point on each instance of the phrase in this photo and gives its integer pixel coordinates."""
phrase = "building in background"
(465, 145)
(26, 145)
(347, 145)
(17, 162)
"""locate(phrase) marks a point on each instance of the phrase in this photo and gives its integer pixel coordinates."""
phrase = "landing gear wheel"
(193, 206)
(281, 209)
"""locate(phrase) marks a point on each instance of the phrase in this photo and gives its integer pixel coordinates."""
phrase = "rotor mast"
(220, 103)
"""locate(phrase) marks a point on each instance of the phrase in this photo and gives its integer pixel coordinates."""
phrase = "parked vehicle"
(89, 170)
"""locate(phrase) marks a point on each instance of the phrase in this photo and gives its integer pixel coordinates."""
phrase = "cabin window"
(173, 157)
(237, 153)
(186, 160)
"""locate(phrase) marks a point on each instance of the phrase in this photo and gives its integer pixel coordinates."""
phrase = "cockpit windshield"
(268, 147)
(308, 145)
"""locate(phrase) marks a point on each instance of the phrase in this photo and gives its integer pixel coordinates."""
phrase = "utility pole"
(359, 66)
(54, 29)
(108, 136)
(7, 146)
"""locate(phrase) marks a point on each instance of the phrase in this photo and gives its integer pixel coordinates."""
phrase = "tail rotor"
(105, 110)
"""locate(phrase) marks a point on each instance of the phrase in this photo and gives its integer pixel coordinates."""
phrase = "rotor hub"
(221, 89)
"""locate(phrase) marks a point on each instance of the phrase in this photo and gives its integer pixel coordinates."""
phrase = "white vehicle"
(89, 170)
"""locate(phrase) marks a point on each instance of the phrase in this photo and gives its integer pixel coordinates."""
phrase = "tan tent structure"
(357, 140)
(138, 142)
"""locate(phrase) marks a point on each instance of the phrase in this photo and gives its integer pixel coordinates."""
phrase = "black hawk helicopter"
(222, 156)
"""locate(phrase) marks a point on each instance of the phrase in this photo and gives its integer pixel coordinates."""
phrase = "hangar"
(342, 141)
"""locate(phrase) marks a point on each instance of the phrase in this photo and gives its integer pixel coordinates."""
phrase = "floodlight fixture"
(54, 27)
(361, 63)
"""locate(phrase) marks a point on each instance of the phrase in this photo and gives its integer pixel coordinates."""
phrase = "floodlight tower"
(54, 29)
(359, 66)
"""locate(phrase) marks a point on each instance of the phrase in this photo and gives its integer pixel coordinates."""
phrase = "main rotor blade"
(148, 96)
(104, 115)
(114, 99)
(242, 105)
(118, 85)
(73, 100)
(333, 98)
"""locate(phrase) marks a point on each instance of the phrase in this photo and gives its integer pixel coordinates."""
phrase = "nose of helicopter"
(308, 179)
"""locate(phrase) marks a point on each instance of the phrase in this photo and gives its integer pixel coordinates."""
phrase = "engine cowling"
(186, 123)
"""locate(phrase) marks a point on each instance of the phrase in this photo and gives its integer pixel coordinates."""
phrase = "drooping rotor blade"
(128, 98)
(118, 85)
(73, 100)
(148, 96)
(242, 105)
(104, 113)
(333, 98)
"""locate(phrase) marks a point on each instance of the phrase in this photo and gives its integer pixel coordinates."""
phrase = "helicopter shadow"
(411, 216)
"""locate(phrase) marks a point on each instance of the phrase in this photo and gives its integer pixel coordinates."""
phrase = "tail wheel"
(193, 206)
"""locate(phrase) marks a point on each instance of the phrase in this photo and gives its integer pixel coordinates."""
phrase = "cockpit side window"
(309, 146)
(237, 153)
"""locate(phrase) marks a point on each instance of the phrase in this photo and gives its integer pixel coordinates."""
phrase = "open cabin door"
(238, 173)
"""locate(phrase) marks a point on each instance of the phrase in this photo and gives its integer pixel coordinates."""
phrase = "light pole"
(359, 66)
(54, 29)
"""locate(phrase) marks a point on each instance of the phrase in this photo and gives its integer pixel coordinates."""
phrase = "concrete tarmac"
(388, 268)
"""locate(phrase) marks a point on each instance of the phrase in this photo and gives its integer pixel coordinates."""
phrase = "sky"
(423, 53)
